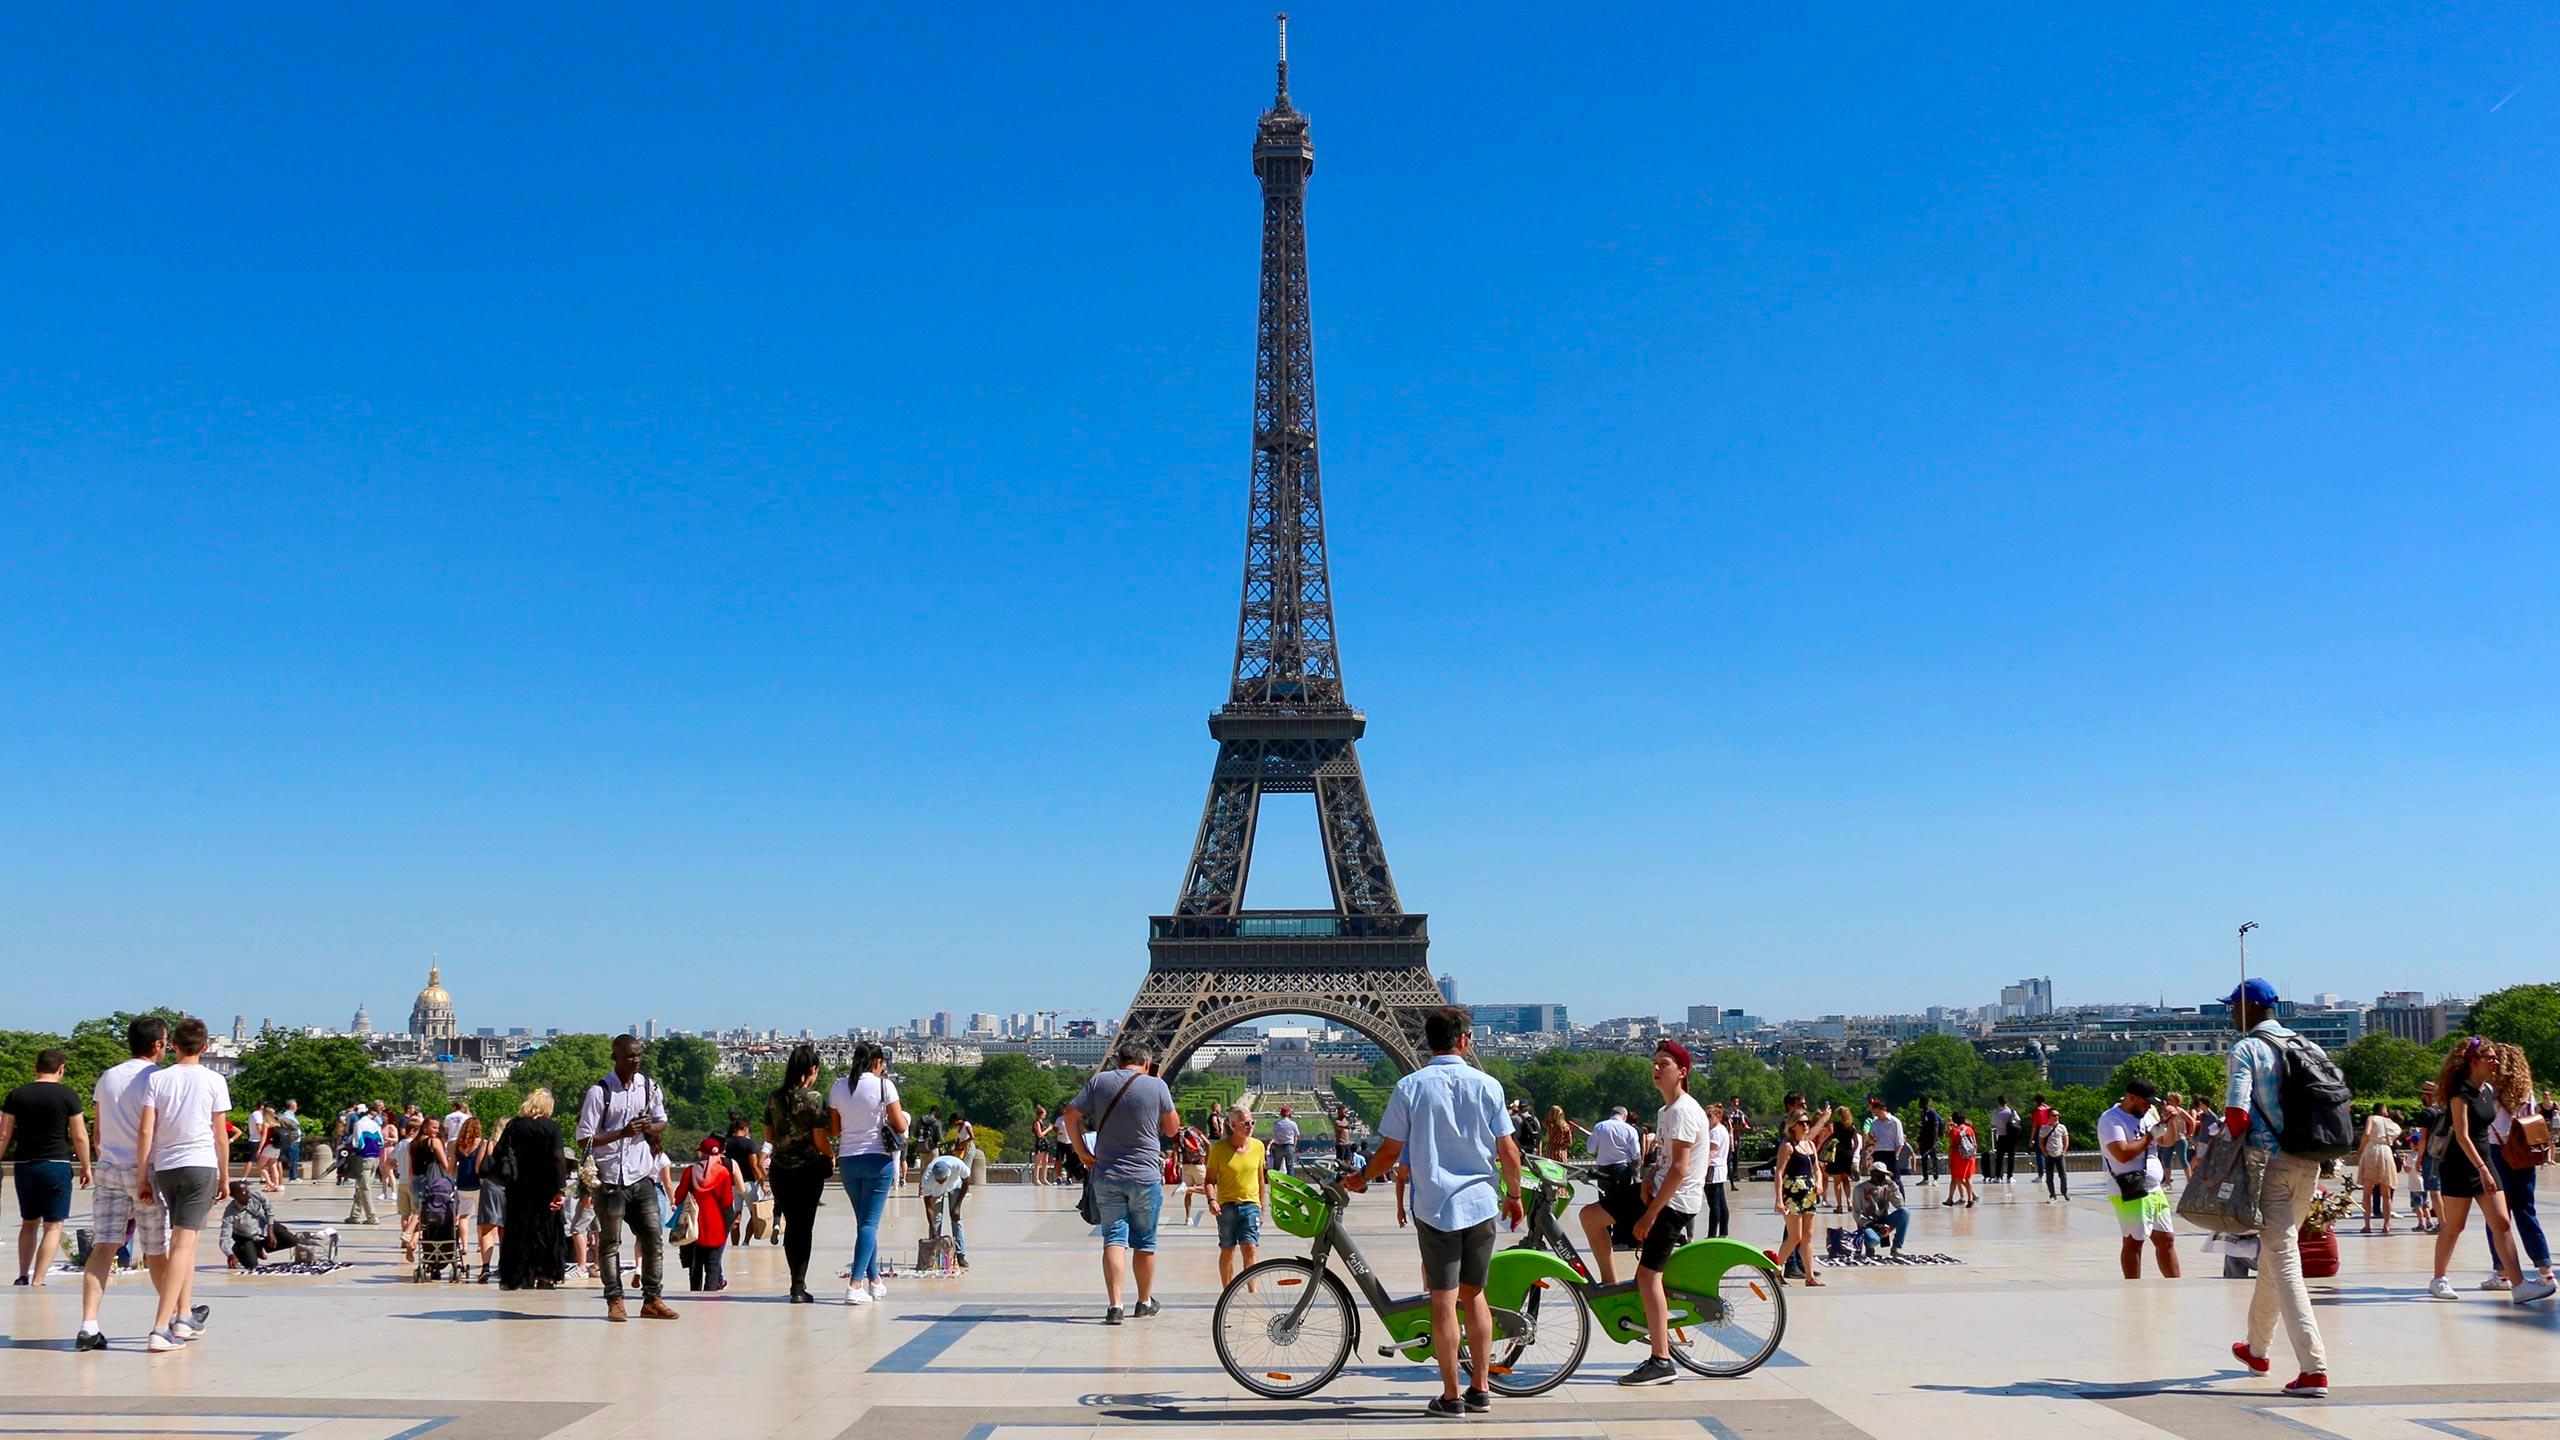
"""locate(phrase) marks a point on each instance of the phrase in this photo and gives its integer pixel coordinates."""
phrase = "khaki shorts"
(408, 1199)
(113, 1207)
(1195, 1177)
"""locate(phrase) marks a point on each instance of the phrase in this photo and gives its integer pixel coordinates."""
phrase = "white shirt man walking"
(1447, 1122)
(118, 1203)
(185, 1165)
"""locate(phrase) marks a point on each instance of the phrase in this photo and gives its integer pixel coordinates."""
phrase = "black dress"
(530, 1248)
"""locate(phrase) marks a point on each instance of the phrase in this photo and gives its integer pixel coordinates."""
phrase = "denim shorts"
(1129, 1209)
(1239, 1223)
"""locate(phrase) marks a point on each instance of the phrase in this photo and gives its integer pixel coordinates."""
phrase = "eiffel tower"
(1286, 728)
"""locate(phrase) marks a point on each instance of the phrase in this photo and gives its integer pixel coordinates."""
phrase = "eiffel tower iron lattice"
(1286, 728)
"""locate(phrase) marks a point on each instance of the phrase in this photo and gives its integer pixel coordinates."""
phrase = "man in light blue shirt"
(1447, 1122)
(2253, 1107)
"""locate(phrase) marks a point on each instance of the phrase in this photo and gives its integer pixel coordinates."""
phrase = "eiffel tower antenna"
(1286, 727)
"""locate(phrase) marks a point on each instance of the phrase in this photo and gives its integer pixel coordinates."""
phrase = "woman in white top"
(1719, 1161)
(867, 1124)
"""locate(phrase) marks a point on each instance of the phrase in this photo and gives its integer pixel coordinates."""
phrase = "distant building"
(431, 1015)
(1702, 1019)
(1448, 989)
(363, 1023)
(1531, 1019)
(2031, 997)
(239, 1029)
(942, 1024)
(2408, 1015)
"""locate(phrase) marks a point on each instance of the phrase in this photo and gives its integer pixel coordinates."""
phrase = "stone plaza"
(2032, 1333)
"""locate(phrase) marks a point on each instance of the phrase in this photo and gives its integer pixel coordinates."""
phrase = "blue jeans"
(866, 1183)
(2519, 1187)
(293, 1161)
(1129, 1209)
(1897, 1225)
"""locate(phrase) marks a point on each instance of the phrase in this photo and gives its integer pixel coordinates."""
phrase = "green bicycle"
(1284, 1328)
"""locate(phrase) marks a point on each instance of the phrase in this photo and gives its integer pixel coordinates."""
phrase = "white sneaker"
(184, 1332)
(2442, 1289)
(161, 1343)
(2496, 1282)
(856, 1295)
(2534, 1288)
(879, 1289)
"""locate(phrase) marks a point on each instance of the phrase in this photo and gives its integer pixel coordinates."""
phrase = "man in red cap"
(1678, 1193)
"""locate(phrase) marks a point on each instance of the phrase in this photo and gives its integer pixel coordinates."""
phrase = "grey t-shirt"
(1131, 1146)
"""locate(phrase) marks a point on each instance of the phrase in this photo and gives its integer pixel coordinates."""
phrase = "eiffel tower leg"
(1222, 853)
(1355, 859)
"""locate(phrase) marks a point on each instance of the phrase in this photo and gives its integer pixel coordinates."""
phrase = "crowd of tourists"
(537, 1199)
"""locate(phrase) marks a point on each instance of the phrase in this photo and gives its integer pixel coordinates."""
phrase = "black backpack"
(2319, 1118)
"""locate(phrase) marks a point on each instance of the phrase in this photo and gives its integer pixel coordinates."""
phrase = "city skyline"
(1941, 500)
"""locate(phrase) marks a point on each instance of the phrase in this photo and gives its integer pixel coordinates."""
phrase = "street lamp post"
(2240, 1011)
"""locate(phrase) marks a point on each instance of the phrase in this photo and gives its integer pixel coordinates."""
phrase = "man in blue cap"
(2253, 1108)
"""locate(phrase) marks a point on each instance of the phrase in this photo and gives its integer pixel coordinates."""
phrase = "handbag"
(2223, 1187)
(2528, 1143)
(1088, 1208)
(500, 1166)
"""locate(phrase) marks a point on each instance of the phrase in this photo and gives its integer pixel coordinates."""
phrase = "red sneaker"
(2240, 1352)
(2309, 1385)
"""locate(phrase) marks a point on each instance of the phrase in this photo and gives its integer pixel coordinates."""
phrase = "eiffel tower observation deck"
(1286, 727)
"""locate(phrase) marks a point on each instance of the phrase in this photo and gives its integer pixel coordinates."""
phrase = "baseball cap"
(1675, 1050)
(2254, 990)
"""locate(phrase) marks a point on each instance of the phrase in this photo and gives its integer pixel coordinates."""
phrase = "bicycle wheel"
(1560, 1331)
(1745, 1320)
(1259, 1347)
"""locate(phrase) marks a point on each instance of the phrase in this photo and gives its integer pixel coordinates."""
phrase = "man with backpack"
(2286, 1100)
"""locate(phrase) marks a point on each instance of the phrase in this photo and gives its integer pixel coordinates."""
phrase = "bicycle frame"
(1692, 1277)
(1407, 1319)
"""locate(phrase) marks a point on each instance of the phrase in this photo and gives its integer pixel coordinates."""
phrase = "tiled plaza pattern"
(2034, 1335)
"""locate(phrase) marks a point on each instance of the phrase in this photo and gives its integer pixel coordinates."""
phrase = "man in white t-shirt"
(2129, 1139)
(117, 1204)
(184, 1156)
(454, 1120)
(1678, 1193)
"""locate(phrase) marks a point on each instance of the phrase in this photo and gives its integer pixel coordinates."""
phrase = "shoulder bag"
(1088, 1208)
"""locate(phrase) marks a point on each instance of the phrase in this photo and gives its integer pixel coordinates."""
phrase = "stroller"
(439, 1231)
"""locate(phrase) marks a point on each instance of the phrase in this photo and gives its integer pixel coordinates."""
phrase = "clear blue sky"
(737, 517)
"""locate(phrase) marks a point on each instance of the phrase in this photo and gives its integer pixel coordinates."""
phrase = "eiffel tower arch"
(1286, 727)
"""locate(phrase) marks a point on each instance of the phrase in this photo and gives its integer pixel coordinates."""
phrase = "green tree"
(416, 1085)
(2189, 1075)
(497, 1103)
(565, 1065)
(1002, 1090)
(1622, 1080)
(2527, 1016)
(1942, 1067)
(327, 1073)
(1559, 1077)
(1735, 1071)
(1815, 1084)
(2385, 1066)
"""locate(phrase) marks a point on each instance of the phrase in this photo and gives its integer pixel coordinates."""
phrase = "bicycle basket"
(1297, 1207)
(1539, 1170)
